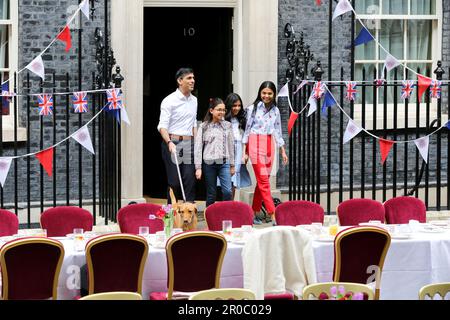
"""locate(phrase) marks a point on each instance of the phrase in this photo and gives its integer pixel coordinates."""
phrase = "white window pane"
(423, 7)
(367, 6)
(394, 74)
(419, 39)
(4, 12)
(365, 51)
(369, 75)
(4, 57)
(395, 7)
(391, 38)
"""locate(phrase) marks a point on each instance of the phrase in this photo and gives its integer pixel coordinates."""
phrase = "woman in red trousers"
(263, 125)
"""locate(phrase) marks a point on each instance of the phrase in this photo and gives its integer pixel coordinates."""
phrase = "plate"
(325, 239)
(400, 236)
(69, 235)
(58, 238)
(442, 223)
(370, 224)
(238, 241)
(433, 230)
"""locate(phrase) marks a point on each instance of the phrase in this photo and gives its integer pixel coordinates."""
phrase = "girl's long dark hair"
(264, 85)
(231, 99)
(213, 102)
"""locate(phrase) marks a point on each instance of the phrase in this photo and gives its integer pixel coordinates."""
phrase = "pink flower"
(358, 296)
(333, 291)
(323, 296)
(341, 290)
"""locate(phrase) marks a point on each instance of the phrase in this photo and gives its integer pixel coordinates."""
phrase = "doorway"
(200, 38)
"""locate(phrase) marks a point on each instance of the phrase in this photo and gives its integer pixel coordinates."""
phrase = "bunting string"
(36, 65)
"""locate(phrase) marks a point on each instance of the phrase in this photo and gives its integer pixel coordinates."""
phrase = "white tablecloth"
(409, 265)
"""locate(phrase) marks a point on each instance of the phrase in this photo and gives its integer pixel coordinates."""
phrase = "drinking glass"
(78, 239)
(333, 229)
(144, 231)
(226, 227)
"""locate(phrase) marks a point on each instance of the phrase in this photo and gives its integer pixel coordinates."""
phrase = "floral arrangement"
(167, 214)
(339, 293)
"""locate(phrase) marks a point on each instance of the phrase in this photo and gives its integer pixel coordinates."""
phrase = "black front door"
(200, 38)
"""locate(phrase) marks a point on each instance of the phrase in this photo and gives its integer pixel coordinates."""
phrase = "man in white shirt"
(178, 127)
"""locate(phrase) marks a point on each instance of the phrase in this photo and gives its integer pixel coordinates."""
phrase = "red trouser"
(261, 154)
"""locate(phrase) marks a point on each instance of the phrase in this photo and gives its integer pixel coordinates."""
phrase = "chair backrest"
(359, 254)
(317, 290)
(224, 294)
(116, 262)
(432, 289)
(402, 209)
(293, 213)
(238, 212)
(60, 221)
(133, 216)
(30, 268)
(117, 295)
(354, 211)
(9, 223)
(194, 261)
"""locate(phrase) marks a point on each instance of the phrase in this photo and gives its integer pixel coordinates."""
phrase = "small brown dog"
(186, 217)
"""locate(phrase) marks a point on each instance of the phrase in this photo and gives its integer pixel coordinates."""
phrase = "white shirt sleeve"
(164, 118)
(278, 132)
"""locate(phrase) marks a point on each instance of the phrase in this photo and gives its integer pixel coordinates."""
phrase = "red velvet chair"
(359, 254)
(133, 216)
(61, 220)
(9, 223)
(293, 213)
(238, 212)
(402, 209)
(194, 263)
(30, 268)
(354, 211)
(115, 262)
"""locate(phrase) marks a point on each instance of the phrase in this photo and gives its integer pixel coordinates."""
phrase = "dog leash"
(179, 176)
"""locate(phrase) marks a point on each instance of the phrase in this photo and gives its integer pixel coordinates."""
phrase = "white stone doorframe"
(255, 36)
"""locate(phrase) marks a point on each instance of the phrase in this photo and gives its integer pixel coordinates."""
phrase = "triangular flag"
(65, 37)
(385, 147)
(5, 163)
(352, 130)
(83, 137)
(448, 124)
(422, 144)
(328, 101)
(84, 7)
(46, 159)
(284, 91)
(292, 118)
(390, 62)
(113, 112)
(301, 85)
(364, 36)
(124, 116)
(424, 83)
(318, 2)
(342, 7)
(312, 105)
(37, 66)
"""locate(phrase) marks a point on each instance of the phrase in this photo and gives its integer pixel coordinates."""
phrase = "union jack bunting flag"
(318, 90)
(45, 102)
(80, 104)
(114, 97)
(351, 90)
(407, 88)
(435, 89)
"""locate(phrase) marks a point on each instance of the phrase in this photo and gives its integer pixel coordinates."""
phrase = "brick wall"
(39, 22)
(313, 21)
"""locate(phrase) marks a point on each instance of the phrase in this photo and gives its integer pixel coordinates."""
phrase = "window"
(410, 30)
(8, 61)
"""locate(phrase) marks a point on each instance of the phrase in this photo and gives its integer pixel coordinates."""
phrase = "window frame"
(13, 48)
(436, 54)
